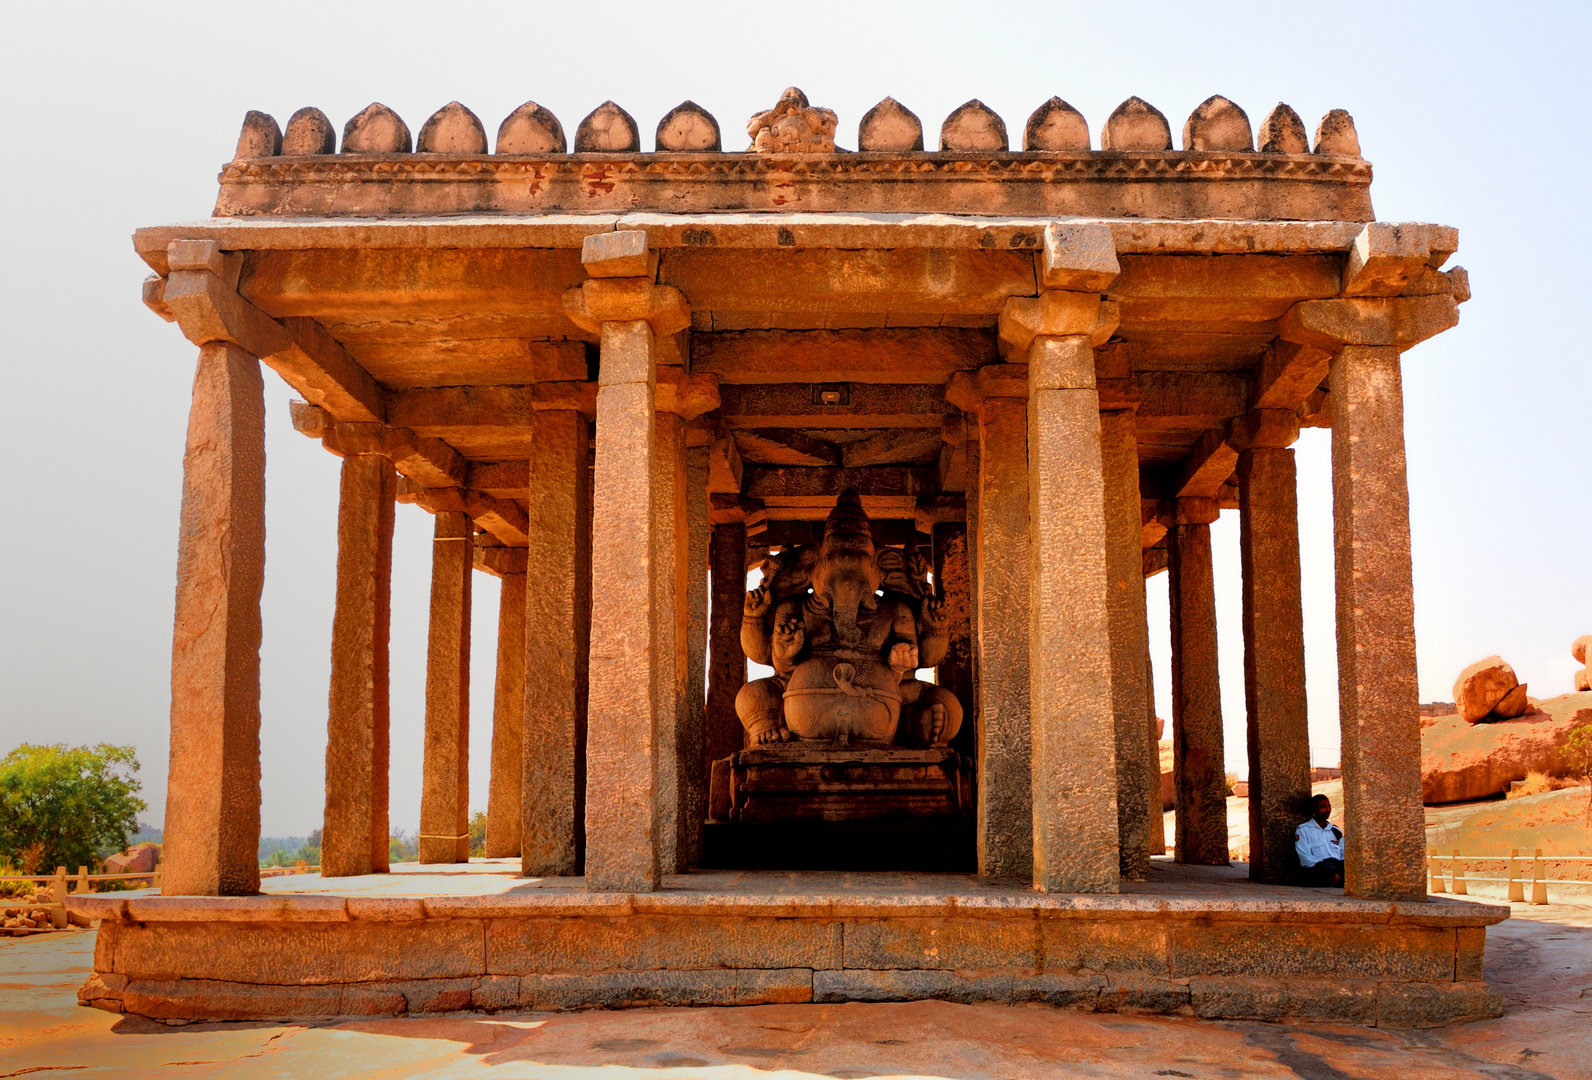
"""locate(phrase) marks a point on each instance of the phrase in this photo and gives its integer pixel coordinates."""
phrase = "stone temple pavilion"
(956, 404)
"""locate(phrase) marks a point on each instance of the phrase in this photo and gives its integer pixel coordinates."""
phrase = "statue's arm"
(934, 635)
(757, 633)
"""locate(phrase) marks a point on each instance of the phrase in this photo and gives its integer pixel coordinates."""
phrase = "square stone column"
(557, 645)
(1005, 751)
(670, 551)
(622, 803)
(1073, 724)
(1377, 690)
(1138, 765)
(726, 661)
(445, 783)
(1155, 836)
(504, 791)
(693, 729)
(1274, 658)
(212, 827)
(953, 576)
(355, 828)
(1198, 755)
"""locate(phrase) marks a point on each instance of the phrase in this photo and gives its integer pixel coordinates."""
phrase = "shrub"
(66, 806)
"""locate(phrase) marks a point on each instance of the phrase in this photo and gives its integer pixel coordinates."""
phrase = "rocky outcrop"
(138, 859)
(1461, 761)
(1488, 689)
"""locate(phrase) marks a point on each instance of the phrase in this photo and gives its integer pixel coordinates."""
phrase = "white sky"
(120, 115)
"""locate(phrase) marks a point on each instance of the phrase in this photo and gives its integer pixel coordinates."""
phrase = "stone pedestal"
(1072, 726)
(622, 804)
(557, 642)
(445, 791)
(1198, 762)
(503, 811)
(1274, 658)
(726, 661)
(1004, 790)
(1377, 691)
(355, 829)
(1138, 764)
(212, 830)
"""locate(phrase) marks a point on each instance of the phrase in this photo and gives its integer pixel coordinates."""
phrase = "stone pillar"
(557, 642)
(503, 812)
(1155, 836)
(1072, 719)
(212, 827)
(953, 578)
(1274, 658)
(445, 784)
(1005, 778)
(693, 730)
(622, 829)
(1138, 766)
(670, 551)
(726, 661)
(354, 830)
(1377, 691)
(1198, 757)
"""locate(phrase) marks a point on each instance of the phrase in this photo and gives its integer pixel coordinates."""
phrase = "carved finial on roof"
(793, 126)
(1055, 125)
(530, 129)
(1218, 124)
(607, 129)
(1136, 125)
(260, 137)
(452, 129)
(376, 130)
(309, 131)
(1282, 132)
(1336, 135)
(890, 127)
(689, 128)
(974, 127)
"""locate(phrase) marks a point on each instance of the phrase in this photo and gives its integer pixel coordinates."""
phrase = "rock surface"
(1488, 688)
(138, 859)
(1461, 761)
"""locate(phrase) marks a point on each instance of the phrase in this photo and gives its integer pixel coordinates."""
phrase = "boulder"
(1461, 761)
(138, 859)
(1168, 796)
(1487, 688)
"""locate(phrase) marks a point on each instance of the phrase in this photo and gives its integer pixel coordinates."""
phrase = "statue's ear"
(795, 571)
(893, 570)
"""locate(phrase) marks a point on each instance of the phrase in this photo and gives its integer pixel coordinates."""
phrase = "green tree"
(67, 806)
(1578, 749)
(477, 835)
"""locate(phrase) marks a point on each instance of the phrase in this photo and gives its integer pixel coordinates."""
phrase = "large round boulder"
(1488, 689)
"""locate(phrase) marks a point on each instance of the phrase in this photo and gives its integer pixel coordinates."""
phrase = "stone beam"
(892, 447)
(784, 446)
(724, 466)
(427, 462)
(1081, 256)
(894, 356)
(503, 519)
(1215, 456)
(687, 396)
(1386, 256)
(1184, 399)
(868, 405)
(439, 410)
(1288, 373)
(820, 486)
(1400, 322)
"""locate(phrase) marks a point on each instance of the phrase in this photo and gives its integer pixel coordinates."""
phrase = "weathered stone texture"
(504, 814)
(726, 662)
(890, 127)
(1074, 796)
(670, 549)
(607, 129)
(355, 828)
(1377, 691)
(376, 129)
(1055, 125)
(973, 126)
(1136, 125)
(260, 137)
(1128, 627)
(309, 132)
(622, 831)
(1274, 658)
(1282, 132)
(1005, 788)
(643, 942)
(452, 129)
(692, 729)
(445, 790)
(1198, 764)
(1218, 124)
(212, 827)
(557, 642)
(530, 129)
(628, 989)
(688, 128)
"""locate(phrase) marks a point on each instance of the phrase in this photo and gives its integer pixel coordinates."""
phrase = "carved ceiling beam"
(883, 355)
(802, 405)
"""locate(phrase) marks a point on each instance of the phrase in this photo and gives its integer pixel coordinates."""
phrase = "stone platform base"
(727, 939)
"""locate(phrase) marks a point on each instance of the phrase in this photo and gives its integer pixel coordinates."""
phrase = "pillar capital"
(1195, 511)
(632, 299)
(968, 390)
(1056, 313)
(1078, 255)
(687, 396)
(1398, 321)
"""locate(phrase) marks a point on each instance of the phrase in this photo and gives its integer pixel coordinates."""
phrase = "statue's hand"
(904, 657)
(757, 601)
(933, 614)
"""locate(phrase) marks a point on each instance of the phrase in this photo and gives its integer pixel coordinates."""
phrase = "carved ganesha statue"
(845, 627)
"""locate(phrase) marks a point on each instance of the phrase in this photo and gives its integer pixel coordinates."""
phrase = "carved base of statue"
(815, 782)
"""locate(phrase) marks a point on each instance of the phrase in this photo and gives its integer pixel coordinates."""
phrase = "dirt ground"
(1540, 960)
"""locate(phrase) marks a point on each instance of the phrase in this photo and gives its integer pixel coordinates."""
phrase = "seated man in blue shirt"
(1319, 844)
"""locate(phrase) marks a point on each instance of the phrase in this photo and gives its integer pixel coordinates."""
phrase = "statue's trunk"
(848, 587)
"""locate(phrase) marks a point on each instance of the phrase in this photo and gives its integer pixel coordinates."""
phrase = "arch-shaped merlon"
(530, 129)
(452, 129)
(607, 129)
(1136, 125)
(1217, 124)
(688, 128)
(309, 131)
(973, 126)
(1282, 132)
(376, 130)
(890, 127)
(1055, 125)
(260, 137)
(1336, 135)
